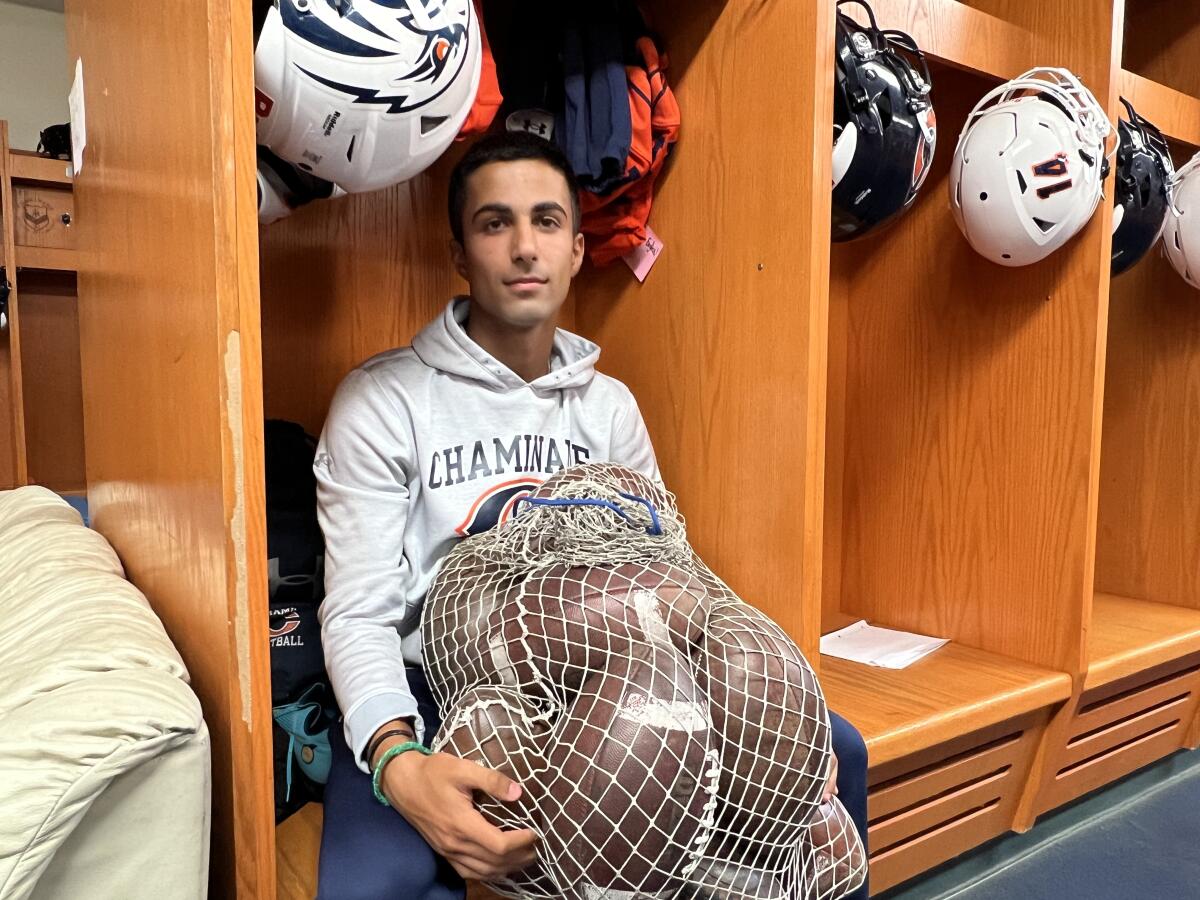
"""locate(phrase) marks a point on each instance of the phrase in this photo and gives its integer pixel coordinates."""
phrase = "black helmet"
(883, 124)
(1143, 189)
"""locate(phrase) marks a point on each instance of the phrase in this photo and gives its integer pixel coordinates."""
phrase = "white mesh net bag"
(671, 739)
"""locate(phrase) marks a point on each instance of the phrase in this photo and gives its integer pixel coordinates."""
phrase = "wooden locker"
(41, 427)
(962, 454)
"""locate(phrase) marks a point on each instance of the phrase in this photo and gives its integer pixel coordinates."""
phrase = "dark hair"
(508, 146)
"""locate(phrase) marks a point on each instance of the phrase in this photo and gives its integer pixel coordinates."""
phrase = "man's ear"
(577, 254)
(458, 255)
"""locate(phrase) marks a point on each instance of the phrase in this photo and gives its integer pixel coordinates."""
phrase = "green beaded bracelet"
(388, 756)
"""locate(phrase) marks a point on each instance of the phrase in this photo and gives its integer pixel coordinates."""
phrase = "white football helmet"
(365, 93)
(1181, 237)
(1029, 166)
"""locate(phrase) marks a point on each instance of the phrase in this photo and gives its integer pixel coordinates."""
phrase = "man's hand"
(831, 782)
(434, 793)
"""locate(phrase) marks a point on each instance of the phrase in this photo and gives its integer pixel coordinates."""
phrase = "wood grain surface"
(1176, 114)
(345, 279)
(1162, 40)
(1148, 543)
(16, 472)
(965, 35)
(53, 381)
(38, 217)
(965, 419)
(1130, 636)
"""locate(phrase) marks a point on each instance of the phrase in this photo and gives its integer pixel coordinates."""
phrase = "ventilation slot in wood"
(936, 812)
(1172, 678)
(1127, 745)
(1115, 735)
(1125, 721)
(941, 808)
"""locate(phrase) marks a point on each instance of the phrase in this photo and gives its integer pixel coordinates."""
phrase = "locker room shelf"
(950, 693)
(1175, 113)
(1130, 636)
(54, 259)
(26, 166)
(960, 35)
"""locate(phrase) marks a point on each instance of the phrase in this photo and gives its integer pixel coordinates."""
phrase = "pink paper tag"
(642, 259)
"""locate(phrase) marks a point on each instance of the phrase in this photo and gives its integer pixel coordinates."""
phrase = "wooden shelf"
(51, 258)
(961, 35)
(952, 692)
(1176, 114)
(1130, 636)
(26, 166)
(48, 258)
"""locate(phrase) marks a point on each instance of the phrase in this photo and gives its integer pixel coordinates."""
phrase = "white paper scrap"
(78, 121)
(874, 646)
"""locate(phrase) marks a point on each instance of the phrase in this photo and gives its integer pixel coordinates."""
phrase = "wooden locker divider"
(1142, 683)
(961, 451)
(169, 327)
(14, 465)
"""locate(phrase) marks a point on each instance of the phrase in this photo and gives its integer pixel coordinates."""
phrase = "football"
(574, 618)
(502, 730)
(771, 723)
(831, 861)
(721, 879)
(630, 801)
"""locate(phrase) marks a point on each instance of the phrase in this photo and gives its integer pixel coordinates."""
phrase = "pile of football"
(671, 740)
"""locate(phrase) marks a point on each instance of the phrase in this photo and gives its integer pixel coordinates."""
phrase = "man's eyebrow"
(499, 208)
(504, 209)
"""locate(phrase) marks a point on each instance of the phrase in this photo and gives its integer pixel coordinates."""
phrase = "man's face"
(520, 250)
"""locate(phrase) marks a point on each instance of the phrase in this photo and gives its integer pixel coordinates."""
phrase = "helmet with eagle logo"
(365, 93)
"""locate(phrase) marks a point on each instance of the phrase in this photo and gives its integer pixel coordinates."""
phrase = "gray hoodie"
(423, 446)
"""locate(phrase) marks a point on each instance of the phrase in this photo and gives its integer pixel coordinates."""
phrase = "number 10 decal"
(1052, 168)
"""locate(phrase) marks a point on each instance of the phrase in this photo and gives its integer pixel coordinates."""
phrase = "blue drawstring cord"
(654, 529)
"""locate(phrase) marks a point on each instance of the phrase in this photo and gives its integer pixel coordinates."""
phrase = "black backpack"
(301, 699)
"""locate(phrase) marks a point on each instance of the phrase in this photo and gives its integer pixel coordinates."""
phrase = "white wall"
(34, 76)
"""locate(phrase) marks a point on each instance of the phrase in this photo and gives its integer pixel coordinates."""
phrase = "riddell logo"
(330, 123)
(262, 104)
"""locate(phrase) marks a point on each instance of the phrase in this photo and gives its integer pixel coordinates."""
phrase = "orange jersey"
(615, 222)
(488, 97)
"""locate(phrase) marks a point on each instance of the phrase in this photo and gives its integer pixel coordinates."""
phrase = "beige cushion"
(91, 688)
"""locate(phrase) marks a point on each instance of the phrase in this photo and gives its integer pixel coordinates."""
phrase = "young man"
(423, 446)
